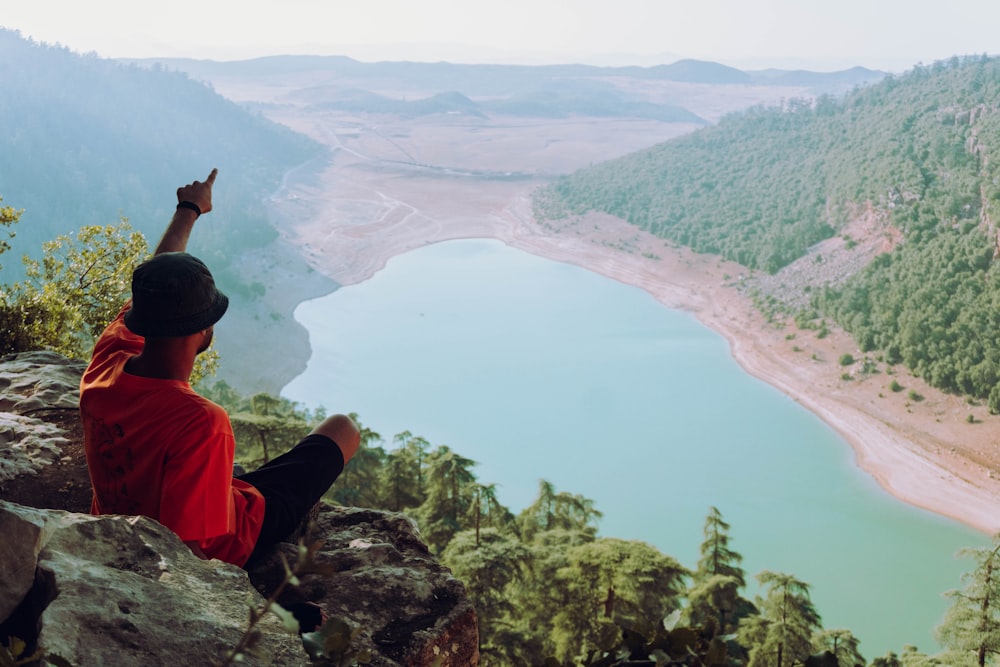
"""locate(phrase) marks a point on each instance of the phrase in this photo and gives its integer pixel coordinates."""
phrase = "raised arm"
(193, 200)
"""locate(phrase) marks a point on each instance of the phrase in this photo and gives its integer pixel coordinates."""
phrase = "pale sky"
(827, 35)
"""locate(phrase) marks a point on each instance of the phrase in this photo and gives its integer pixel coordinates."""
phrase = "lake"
(542, 370)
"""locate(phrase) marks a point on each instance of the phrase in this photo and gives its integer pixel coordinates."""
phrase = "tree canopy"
(763, 186)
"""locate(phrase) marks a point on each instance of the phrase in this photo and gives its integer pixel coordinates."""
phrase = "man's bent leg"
(295, 481)
(343, 431)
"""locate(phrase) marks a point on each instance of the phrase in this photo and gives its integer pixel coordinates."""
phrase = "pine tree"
(841, 644)
(557, 511)
(488, 563)
(714, 598)
(782, 634)
(449, 478)
(972, 623)
(612, 584)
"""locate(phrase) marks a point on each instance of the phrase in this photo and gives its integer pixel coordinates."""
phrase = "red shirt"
(156, 448)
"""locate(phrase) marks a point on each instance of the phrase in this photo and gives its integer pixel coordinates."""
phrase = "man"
(155, 447)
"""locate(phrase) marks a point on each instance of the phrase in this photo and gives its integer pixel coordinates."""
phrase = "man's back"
(155, 447)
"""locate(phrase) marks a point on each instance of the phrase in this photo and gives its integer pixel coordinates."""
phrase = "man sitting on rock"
(155, 447)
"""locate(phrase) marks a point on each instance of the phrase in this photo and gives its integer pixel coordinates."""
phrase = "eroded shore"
(926, 452)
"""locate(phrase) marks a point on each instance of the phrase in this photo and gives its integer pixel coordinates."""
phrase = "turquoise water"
(542, 370)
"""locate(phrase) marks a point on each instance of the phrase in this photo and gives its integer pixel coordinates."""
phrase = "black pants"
(291, 484)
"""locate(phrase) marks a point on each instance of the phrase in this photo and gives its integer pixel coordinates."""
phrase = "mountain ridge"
(684, 70)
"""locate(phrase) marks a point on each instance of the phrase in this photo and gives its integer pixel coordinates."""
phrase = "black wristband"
(191, 206)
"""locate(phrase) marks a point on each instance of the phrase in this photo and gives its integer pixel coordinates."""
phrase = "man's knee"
(343, 431)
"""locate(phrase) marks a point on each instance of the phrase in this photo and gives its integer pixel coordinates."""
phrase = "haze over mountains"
(553, 91)
(90, 138)
(493, 80)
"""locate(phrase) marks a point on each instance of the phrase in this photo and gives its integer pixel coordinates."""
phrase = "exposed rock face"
(126, 591)
(410, 609)
(39, 392)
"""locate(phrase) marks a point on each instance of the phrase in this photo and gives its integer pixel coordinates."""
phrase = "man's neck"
(159, 368)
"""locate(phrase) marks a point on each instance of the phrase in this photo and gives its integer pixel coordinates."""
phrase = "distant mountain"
(580, 97)
(699, 71)
(507, 80)
(856, 76)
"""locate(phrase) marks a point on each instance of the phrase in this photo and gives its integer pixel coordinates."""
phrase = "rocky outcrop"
(33, 384)
(126, 591)
(408, 608)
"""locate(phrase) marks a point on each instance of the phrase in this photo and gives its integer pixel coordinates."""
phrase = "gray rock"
(37, 380)
(410, 610)
(27, 444)
(31, 382)
(126, 591)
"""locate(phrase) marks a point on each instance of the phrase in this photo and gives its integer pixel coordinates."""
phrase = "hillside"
(765, 186)
(88, 139)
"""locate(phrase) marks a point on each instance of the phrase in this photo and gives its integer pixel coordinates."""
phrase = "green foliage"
(8, 217)
(558, 511)
(846, 359)
(668, 644)
(264, 426)
(714, 597)
(782, 634)
(920, 150)
(971, 628)
(609, 582)
(359, 485)
(70, 296)
(449, 497)
(841, 644)
(490, 564)
(895, 387)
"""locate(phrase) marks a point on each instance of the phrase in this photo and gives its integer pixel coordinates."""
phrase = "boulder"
(126, 591)
(407, 608)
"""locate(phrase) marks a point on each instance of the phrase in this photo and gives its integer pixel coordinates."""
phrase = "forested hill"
(86, 140)
(763, 186)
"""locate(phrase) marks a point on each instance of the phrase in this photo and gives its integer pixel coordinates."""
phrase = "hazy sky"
(824, 35)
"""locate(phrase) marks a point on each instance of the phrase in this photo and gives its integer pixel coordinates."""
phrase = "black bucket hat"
(173, 295)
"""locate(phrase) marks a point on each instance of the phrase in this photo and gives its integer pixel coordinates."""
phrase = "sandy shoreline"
(914, 463)
(925, 452)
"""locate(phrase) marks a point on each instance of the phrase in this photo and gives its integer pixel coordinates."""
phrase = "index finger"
(211, 177)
